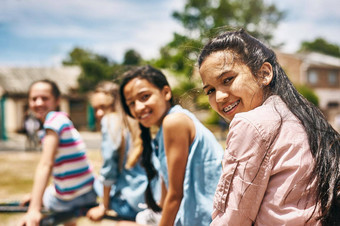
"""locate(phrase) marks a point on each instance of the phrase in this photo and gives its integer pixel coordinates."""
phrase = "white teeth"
(144, 115)
(231, 106)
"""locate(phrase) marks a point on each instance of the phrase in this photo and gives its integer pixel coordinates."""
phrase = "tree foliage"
(79, 55)
(322, 46)
(309, 94)
(202, 19)
(257, 17)
(96, 68)
(132, 57)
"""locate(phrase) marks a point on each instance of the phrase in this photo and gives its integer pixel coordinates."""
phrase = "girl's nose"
(99, 114)
(221, 95)
(39, 101)
(139, 106)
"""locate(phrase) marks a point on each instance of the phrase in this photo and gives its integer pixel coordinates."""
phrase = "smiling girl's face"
(147, 103)
(102, 104)
(41, 100)
(230, 85)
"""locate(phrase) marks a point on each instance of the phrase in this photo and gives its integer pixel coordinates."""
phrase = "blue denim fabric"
(53, 203)
(201, 175)
(127, 185)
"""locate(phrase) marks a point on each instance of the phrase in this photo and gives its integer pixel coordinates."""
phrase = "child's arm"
(179, 132)
(98, 212)
(111, 141)
(42, 174)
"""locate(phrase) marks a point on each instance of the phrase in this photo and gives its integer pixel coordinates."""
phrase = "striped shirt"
(72, 173)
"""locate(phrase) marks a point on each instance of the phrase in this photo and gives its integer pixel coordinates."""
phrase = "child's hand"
(96, 213)
(31, 218)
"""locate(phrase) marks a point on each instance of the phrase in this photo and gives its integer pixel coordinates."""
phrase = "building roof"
(16, 80)
(314, 58)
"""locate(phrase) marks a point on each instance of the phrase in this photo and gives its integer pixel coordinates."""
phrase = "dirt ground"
(17, 169)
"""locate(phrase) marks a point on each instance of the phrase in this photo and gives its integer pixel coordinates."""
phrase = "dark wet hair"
(54, 87)
(324, 141)
(158, 79)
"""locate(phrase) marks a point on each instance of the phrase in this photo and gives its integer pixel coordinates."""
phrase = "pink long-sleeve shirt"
(265, 170)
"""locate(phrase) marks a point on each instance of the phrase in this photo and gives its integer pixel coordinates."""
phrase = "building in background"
(319, 72)
(14, 84)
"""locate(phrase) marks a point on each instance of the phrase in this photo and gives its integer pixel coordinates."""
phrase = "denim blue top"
(202, 173)
(130, 184)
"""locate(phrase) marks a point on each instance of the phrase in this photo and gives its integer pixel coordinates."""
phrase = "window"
(332, 78)
(332, 104)
(312, 77)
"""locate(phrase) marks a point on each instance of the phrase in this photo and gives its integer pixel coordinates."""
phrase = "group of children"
(281, 165)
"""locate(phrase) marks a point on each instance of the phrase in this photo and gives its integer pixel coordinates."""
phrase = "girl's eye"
(131, 104)
(145, 97)
(210, 91)
(227, 80)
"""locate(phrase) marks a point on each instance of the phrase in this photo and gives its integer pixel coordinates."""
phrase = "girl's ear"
(167, 93)
(266, 74)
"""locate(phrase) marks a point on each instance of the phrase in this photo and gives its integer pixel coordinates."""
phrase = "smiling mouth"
(231, 106)
(143, 116)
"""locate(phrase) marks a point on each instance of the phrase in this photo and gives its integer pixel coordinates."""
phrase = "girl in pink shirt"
(281, 164)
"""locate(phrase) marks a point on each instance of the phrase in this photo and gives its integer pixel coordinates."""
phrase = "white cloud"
(110, 27)
(63, 8)
(307, 20)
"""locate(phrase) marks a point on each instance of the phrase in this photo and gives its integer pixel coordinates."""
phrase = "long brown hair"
(126, 123)
(324, 141)
(158, 79)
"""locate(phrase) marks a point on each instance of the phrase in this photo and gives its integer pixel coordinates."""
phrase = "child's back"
(202, 172)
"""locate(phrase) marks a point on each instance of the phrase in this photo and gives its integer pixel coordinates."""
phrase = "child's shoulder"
(266, 120)
(178, 126)
(57, 117)
(272, 111)
(176, 118)
(54, 114)
(177, 121)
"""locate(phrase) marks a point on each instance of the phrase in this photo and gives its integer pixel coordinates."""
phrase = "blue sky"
(42, 32)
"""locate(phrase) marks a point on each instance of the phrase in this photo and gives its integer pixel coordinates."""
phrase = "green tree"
(202, 19)
(132, 57)
(322, 46)
(79, 55)
(309, 94)
(96, 68)
(256, 16)
(92, 73)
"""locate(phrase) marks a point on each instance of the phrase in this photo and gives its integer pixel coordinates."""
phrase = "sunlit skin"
(41, 100)
(146, 102)
(102, 104)
(230, 85)
(149, 105)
